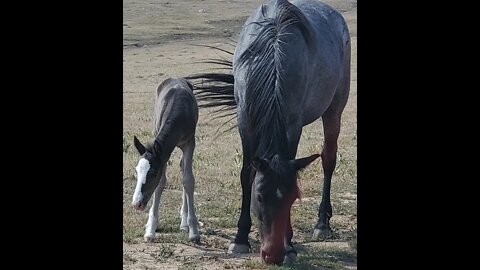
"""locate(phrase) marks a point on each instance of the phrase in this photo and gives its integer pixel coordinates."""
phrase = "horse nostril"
(268, 259)
(271, 257)
(272, 260)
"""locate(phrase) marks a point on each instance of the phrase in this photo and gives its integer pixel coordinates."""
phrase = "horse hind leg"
(188, 182)
(331, 126)
(184, 209)
(153, 215)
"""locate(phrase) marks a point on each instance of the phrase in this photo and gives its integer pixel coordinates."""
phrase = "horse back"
(329, 67)
(313, 72)
(176, 108)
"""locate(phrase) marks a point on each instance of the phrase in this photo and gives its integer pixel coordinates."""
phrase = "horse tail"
(215, 89)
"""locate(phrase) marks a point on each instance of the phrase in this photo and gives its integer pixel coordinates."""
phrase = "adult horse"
(291, 66)
(176, 116)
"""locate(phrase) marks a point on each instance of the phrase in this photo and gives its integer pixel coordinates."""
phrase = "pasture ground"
(159, 38)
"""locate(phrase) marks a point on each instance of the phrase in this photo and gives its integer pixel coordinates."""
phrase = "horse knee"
(188, 182)
(329, 159)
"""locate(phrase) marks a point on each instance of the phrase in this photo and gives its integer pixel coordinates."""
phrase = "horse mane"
(264, 100)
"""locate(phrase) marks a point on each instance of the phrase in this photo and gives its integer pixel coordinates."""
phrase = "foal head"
(273, 192)
(148, 172)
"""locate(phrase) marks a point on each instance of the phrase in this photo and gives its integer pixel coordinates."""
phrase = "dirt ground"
(159, 42)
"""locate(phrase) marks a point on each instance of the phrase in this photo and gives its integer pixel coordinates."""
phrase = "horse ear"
(138, 145)
(301, 163)
(259, 164)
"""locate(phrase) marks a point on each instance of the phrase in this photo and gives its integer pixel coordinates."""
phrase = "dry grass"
(217, 165)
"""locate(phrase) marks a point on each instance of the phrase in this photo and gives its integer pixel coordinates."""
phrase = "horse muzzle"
(272, 258)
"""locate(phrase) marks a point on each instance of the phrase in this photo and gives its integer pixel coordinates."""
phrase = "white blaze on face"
(142, 169)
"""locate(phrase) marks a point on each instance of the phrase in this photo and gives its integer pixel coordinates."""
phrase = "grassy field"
(218, 158)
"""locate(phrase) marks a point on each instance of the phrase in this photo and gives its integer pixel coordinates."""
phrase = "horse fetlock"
(322, 230)
(322, 235)
(193, 234)
(184, 221)
(238, 248)
(290, 257)
(150, 228)
(193, 226)
(149, 236)
(184, 227)
(192, 220)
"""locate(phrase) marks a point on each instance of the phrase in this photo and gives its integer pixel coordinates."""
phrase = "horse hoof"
(194, 238)
(322, 234)
(290, 258)
(238, 248)
(149, 237)
(184, 228)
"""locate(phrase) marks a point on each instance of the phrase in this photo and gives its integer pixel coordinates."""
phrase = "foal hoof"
(238, 248)
(194, 238)
(290, 258)
(322, 234)
(149, 237)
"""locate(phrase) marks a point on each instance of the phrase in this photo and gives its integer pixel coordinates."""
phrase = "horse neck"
(167, 139)
(267, 144)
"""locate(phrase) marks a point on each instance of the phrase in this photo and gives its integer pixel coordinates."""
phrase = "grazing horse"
(176, 116)
(291, 66)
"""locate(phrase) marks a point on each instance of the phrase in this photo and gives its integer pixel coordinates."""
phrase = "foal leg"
(153, 215)
(188, 189)
(240, 244)
(184, 209)
(331, 127)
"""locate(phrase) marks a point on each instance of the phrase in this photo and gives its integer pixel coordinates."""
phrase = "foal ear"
(138, 145)
(259, 164)
(301, 163)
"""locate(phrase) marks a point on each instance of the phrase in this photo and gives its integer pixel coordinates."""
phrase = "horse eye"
(259, 198)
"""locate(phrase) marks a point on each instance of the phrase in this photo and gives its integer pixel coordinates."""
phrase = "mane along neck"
(264, 96)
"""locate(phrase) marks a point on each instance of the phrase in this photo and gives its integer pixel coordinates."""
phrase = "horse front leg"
(290, 252)
(188, 182)
(153, 215)
(331, 126)
(241, 244)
